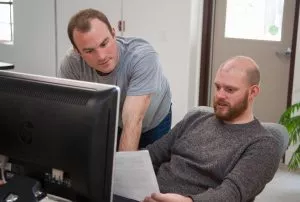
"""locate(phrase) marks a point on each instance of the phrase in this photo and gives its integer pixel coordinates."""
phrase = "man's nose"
(100, 53)
(220, 93)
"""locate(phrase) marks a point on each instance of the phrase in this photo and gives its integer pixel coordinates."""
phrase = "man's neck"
(102, 74)
(241, 120)
(245, 117)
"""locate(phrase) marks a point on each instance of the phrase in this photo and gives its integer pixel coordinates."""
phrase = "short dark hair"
(253, 76)
(81, 22)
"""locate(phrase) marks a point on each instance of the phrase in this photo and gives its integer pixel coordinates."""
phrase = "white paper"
(52, 198)
(134, 176)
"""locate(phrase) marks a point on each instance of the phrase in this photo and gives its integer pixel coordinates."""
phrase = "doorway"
(273, 48)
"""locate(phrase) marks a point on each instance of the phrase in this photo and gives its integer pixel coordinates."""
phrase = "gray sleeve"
(70, 68)
(146, 75)
(160, 150)
(248, 178)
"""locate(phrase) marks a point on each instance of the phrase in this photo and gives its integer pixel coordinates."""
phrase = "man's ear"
(113, 32)
(76, 50)
(254, 91)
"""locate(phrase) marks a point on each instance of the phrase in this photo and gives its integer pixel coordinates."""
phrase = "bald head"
(236, 86)
(245, 65)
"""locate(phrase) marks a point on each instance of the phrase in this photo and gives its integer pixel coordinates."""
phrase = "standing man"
(98, 55)
(222, 156)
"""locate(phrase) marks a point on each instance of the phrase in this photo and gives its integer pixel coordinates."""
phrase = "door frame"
(206, 52)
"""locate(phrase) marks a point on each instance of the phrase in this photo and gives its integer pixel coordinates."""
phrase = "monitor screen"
(50, 125)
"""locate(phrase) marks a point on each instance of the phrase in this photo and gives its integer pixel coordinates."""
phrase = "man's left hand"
(158, 197)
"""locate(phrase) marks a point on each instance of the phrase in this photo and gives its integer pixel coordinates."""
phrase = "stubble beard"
(232, 112)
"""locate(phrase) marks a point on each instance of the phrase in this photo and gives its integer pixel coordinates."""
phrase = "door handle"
(286, 52)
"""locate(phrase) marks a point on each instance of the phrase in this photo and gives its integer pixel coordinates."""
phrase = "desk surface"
(4, 66)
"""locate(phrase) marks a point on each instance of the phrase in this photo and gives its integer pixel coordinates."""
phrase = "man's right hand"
(169, 197)
(1, 182)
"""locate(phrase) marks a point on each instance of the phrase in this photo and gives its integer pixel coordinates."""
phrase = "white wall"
(195, 38)
(173, 28)
(296, 85)
(33, 50)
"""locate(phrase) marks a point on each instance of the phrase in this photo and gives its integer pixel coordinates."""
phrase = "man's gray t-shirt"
(138, 72)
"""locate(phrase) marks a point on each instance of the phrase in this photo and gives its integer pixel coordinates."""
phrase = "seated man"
(221, 156)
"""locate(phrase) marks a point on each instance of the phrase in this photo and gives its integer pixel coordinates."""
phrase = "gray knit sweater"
(209, 160)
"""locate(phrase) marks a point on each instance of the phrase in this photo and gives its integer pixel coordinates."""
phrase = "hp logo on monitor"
(26, 131)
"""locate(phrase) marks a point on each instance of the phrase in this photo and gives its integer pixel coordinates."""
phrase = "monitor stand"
(21, 189)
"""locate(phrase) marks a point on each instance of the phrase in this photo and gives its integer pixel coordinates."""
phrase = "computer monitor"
(50, 123)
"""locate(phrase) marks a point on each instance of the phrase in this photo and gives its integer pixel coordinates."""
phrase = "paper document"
(134, 176)
(52, 198)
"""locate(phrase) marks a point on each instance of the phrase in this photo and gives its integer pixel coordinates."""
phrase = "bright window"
(6, 20)
(254, 19)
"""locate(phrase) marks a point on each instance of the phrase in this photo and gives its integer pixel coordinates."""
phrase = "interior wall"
(33, 50)
(196, 21)
(173, 28)
(296, 85)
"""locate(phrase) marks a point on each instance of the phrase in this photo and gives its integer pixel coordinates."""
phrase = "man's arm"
(133, 113)
(160, 150)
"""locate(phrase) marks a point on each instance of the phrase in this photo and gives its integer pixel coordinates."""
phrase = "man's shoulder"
(129, 40)
(199, 112)
(273, 132)
(259, 133)
(72, 65)
(71, 54)
(72, 60)
(135, 45)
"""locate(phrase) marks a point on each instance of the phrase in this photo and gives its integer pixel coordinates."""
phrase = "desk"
(6, 66)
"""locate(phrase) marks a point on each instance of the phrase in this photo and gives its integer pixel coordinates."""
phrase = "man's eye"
(229, 90)
(89, 51)
(103, 45)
